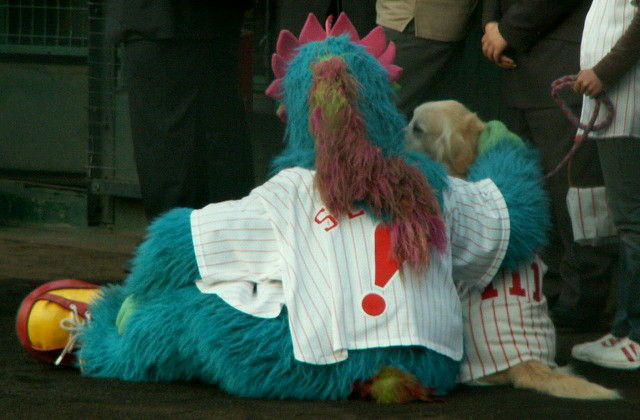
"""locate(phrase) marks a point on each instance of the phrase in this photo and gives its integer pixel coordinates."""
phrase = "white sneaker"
(581, 351)
(610, 352)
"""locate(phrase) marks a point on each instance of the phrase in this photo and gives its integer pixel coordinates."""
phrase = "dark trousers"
(188, 125)
(291, 14)
(619, 158)
(428, 68)
(582, 273)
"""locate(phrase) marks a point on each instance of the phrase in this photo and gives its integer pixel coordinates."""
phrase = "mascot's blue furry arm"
(515, 169)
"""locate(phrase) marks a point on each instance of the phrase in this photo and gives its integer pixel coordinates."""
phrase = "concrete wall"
(43, 117)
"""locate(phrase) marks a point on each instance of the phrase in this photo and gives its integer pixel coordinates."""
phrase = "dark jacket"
(170, 19)
(543, 38)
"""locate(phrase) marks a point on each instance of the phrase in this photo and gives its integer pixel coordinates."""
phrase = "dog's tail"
(559, 382)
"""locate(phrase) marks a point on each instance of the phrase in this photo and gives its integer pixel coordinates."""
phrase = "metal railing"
(44, 27)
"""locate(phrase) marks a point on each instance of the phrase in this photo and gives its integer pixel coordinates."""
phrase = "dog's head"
(448, 132)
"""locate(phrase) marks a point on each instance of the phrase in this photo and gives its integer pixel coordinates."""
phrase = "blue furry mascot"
(337, 277)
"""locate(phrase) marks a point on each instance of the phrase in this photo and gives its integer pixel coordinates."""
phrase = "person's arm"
(493, 44)
(490, 12)
(520, 26)
(525, 22)
(624, 55)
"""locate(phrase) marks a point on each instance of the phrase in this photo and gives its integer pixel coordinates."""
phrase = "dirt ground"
(53, 253)
(30, 389)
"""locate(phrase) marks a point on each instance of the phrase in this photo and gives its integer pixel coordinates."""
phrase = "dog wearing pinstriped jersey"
(509, 337)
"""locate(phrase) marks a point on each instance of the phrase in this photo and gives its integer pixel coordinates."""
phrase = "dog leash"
(556, 87)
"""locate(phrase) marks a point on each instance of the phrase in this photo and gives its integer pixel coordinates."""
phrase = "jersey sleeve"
(478, 224)
(234, 241)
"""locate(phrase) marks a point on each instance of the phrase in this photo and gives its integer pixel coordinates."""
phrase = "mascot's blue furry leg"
(186, 335)
(166, 259)
(155, 346)
(516, 171)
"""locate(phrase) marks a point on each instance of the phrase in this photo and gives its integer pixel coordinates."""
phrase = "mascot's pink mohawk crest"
(286, 48)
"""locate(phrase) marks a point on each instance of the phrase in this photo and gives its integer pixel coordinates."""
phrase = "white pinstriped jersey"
(604, 25)
(280, 245)
(507, 323)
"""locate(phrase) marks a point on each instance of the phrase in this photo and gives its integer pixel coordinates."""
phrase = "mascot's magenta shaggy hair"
(350, 169)
(338, 102)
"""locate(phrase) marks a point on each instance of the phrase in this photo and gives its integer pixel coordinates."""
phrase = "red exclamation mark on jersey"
(373, 304)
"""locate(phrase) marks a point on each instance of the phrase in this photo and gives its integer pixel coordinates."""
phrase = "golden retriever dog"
(509, 337)
(448, 132)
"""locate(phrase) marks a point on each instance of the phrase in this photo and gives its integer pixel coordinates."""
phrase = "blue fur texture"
(166, 259)
(516, 171)
(384, 122)
(181, 334)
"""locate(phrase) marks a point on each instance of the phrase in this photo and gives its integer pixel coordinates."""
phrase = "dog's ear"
(464, 144)
(461, 155)
(471, 127)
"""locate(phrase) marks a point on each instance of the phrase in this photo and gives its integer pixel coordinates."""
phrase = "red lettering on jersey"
(489, 292)
(516, 289)
(386, 267)
(354, 215)
(328, 217)
(536, 281)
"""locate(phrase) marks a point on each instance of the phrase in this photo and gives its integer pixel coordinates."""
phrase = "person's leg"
(585, 271)
(620, 349)
(226, 158)
(427, 67)
(619, 158)
(292, 14)
(362, 14)
(162, 100)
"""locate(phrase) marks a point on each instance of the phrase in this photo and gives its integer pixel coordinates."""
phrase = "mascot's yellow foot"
(393, 386)
(50, 316)
(127, 309)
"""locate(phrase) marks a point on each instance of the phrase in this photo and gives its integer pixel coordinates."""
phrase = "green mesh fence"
(58, 27)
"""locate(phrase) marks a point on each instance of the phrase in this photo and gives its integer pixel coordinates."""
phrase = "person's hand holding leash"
(588, 83)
